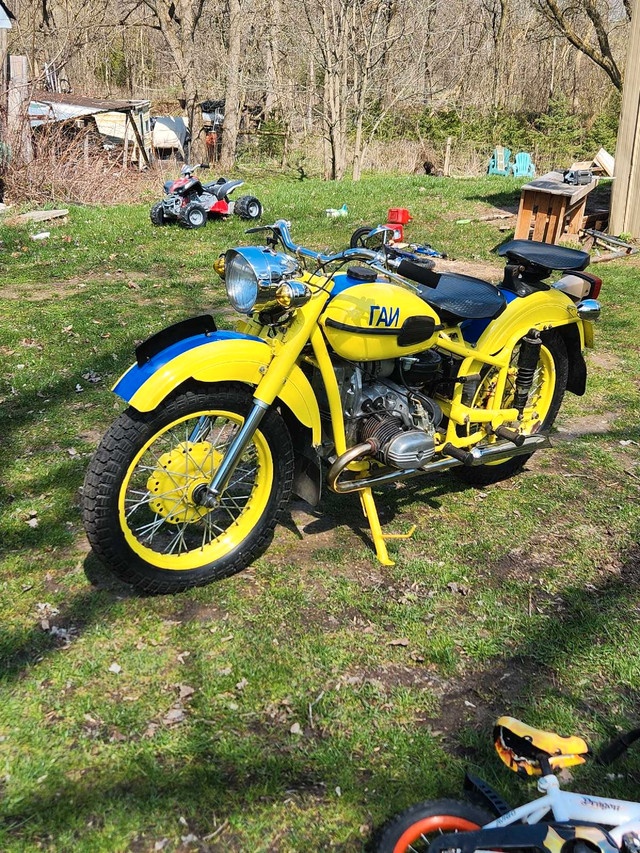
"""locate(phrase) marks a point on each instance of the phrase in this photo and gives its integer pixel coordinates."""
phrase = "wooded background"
(345, 84)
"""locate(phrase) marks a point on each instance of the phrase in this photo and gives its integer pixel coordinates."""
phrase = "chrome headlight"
(252, 276)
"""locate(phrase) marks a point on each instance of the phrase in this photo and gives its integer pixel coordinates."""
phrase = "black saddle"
(544, 255)
(462, 297)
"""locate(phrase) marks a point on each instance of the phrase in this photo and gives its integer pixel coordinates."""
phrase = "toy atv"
(190, 202)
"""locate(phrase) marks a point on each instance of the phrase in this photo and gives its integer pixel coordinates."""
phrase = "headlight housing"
(252, 276)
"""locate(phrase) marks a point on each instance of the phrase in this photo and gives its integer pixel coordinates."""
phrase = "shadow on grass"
(229, 773)
(21, 648)
(507, 200)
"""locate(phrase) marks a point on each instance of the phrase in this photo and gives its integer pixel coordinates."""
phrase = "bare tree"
(178, 21)
(232, 89)
(567, 19)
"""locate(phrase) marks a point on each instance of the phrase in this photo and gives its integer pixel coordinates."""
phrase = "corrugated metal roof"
(6, 16)
(88, 105)
(53, 106)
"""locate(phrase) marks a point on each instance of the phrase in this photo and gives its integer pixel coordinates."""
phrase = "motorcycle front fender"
(219, 356)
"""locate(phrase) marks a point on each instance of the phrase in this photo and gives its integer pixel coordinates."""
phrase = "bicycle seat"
(462, 297)
(521, 746)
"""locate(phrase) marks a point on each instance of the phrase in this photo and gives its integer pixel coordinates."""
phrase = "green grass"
(520, 599)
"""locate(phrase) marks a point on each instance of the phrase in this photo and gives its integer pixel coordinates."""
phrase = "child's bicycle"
(573, 823)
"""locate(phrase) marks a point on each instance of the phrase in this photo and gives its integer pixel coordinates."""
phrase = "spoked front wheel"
(412, 831)
(141, 508)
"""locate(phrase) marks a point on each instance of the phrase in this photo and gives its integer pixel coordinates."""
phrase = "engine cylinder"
(396, 446)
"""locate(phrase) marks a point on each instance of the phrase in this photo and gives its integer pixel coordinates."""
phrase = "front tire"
(543, 405)
(413, 829)
(192, 215)
(139, 512)
(156, 214)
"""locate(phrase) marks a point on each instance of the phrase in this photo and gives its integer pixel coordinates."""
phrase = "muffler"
(478, 456)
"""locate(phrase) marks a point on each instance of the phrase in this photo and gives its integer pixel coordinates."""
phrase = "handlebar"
(379, 261)
(281, 229)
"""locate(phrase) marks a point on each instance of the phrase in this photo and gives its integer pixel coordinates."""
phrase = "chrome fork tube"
(231, 458)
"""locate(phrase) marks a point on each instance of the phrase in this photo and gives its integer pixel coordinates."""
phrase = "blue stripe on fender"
(473, 329)
(136, 376)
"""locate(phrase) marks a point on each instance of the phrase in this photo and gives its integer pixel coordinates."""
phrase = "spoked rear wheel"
(140, 502)
(542, 407)
(412, 831)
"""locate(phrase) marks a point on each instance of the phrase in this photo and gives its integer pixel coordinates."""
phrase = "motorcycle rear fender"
(220, 356)
(547, 309)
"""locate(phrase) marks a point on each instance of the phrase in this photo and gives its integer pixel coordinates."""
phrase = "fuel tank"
(375, 320)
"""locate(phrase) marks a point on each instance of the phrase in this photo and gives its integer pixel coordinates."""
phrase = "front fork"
(269, 387)
(209, 495)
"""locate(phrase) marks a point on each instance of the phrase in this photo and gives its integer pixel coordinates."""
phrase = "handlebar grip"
(419, 274)
(615, 749)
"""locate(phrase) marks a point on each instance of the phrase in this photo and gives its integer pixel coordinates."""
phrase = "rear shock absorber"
(527, 364)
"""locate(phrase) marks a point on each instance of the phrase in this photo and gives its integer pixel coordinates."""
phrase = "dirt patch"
(194, 611)
(39, 292)
(604, 360)
(478, 698)
(586, 425)
(477, 269)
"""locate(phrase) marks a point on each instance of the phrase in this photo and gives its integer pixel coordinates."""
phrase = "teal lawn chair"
(523, 166)
(499, 163)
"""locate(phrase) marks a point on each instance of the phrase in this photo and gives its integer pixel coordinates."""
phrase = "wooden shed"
(625, 201)
(126, 123)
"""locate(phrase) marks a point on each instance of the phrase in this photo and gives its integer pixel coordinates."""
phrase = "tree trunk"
(232, 90)
(271, 59)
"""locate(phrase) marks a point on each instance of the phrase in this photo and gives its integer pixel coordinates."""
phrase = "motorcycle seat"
(221, 190)
(462, 297)
(544, 255)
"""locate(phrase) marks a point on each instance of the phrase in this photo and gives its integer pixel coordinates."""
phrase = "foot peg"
(510, 434)
(458, 453)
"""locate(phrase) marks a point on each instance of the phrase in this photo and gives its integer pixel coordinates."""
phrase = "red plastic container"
(398, 216)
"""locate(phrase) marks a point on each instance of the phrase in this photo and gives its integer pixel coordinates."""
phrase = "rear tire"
(156, 214)
(248, 207)
(192, 215)
(412, 829)
(486, 475)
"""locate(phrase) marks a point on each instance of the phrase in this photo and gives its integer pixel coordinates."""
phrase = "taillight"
(596, 284)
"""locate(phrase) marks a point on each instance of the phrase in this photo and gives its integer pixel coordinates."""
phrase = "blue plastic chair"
(523, 166)
(499, 163)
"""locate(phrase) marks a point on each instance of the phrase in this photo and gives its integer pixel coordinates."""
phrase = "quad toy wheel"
(192, 215)
(248, 207)
(156, 214)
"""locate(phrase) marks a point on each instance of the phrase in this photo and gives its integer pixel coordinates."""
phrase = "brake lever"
(259, 228)
(273, 240)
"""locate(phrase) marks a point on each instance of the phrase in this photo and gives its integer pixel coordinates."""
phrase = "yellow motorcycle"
(358, 370)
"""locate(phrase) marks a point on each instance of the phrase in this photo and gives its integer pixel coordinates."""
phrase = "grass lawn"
(299, 704)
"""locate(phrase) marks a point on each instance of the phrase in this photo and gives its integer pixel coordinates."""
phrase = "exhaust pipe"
(478, 456)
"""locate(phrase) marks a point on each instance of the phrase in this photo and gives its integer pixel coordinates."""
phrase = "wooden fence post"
(18, 126)
(447, 158)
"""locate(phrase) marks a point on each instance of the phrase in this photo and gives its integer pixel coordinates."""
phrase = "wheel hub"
(179, 473)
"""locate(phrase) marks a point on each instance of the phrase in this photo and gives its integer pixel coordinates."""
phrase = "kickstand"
(371, 512)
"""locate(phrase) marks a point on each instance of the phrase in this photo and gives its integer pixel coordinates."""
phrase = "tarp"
(170, 132)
